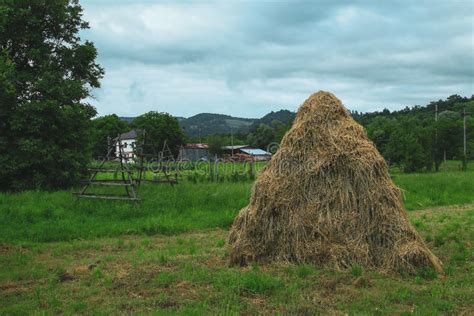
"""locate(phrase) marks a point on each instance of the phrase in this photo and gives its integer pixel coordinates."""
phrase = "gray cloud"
(247, 58)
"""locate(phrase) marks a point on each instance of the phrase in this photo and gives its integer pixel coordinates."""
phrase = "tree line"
(422, 137)
(414, 139)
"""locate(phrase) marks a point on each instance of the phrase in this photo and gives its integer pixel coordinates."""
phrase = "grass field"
(188, 274)
(167, 254)
(58, 216)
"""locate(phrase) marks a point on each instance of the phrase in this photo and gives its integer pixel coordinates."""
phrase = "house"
(246, 152)
(194, 152)
(232, 150)
(128, 141)
(256, 153)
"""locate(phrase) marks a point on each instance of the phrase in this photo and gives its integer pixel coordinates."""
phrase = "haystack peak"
(322, 106)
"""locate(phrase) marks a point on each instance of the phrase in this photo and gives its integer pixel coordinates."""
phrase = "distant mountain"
(282, 116)
(209, 124)
(127, 119)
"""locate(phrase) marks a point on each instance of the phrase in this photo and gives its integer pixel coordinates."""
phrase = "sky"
(247, 58)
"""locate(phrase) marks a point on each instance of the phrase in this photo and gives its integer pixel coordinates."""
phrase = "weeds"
(356, 270)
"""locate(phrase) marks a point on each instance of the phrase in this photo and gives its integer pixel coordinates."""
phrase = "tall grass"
(436, 189)
(56, 216)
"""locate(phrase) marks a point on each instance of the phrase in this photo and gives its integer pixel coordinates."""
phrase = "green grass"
(168, 255)
(436, 189)
(38, 216)
(54, 216)
(188, 274)
(454, 165)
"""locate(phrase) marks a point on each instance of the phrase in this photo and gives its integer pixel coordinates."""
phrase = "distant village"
(197, 151)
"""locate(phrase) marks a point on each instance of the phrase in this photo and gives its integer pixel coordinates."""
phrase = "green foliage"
(7, 105)
(216, 142)
(105, 128)
(302, 271)
(356, 270)
(45, 73)
(49, 148)
(159, 127)
(426, 273)
(205, 124)
(409, 146)
(283, 117)
(263, 136)
(380, 131)
(414, 140)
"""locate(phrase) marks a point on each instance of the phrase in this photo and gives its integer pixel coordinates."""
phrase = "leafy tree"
(105, 128)
(263, 136)
(159, 127)
(7, 100)
(409, 146)
(450, 140)
(45, 73)
(470, 136)
(280, 130)
(380, 131)
(216, 143)
(442, 137)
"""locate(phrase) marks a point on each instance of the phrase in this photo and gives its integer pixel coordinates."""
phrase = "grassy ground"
(435, 189)
(58, 216)
(188, 274)
(167, 254)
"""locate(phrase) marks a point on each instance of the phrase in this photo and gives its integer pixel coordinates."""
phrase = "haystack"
(326, 198)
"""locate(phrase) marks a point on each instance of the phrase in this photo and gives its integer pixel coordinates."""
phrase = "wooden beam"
(108, 183)
(105, 197)
(104, 170)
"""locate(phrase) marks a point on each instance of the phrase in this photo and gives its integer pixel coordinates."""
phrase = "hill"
(205, 124)
(209, 124)
(283, 116)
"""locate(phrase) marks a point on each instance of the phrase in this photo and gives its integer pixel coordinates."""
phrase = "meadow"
(167, 254)
(38, 216)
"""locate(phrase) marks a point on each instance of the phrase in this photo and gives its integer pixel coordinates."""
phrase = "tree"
(450, 137)
(7, 100)
(159, 127)
(216, 143)
(409, 146)
(263, 136)
(380, 130)
(280, 130)
(46, 73)
(105, 128)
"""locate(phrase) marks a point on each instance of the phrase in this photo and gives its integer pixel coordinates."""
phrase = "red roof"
(197, 146)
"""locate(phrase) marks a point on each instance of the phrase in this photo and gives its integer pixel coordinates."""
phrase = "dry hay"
(326, 198)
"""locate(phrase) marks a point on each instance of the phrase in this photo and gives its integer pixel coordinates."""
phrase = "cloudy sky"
(247, 58)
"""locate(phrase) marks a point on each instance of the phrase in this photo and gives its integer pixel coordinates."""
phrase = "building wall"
(127, 148)
(194, 154)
